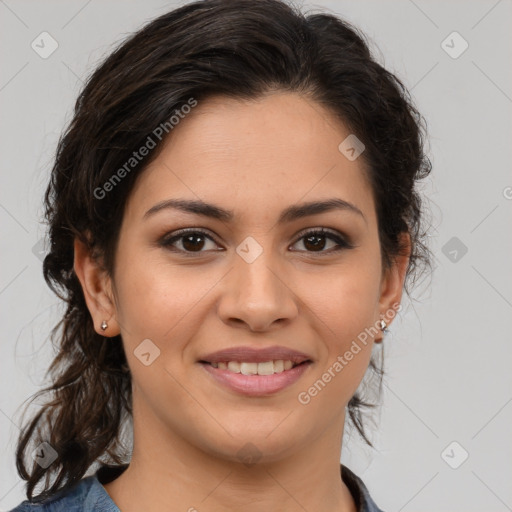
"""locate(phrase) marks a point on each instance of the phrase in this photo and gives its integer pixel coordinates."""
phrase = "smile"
(256, 379)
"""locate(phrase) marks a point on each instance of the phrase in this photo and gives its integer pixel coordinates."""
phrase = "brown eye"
(191, 241)
(316, 241)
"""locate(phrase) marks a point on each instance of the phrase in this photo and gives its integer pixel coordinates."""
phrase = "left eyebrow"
(289, 214)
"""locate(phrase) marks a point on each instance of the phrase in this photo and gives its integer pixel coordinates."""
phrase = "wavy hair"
(234, 48)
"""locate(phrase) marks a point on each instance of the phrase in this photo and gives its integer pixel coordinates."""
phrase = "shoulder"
(84, 496)
(362, 498)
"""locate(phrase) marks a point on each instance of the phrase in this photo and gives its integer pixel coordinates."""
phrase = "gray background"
(448, 355)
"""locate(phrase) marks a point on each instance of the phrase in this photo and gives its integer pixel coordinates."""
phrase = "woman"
(233, 218)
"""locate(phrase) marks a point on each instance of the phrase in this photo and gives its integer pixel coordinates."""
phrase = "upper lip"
(256, 355)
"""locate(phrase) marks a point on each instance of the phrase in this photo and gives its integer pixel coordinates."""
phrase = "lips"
(256, 385)
(254, 355)
(240, 369)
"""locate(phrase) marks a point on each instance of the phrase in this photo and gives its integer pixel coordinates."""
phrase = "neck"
(166, 469)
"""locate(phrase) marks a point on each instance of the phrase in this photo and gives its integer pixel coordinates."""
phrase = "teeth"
(245, 368)
(278, 366)
(249, 368)
(266, 368)
(234, 366)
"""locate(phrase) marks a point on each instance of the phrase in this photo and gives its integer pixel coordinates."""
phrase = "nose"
(257, 295)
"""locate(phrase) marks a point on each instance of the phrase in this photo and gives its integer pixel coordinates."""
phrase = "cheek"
(346, 351)
(345, 301)
(143, 295)
(161, 302)
(146, 289)
(344, 313)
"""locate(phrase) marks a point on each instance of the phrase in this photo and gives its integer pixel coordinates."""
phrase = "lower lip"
(257, 385)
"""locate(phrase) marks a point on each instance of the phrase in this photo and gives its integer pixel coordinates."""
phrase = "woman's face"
(256, 280)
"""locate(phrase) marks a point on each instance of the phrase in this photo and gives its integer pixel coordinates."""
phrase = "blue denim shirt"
(89, 495)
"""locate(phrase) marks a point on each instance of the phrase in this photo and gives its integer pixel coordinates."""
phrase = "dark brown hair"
(236, 48)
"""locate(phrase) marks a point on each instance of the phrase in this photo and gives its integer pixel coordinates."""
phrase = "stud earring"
(383, 326)
(104, 325)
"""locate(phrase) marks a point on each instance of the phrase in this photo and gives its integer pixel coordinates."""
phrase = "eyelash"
(340, 241)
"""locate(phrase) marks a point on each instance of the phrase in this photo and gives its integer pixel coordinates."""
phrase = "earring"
(383, 326)
(104, 325)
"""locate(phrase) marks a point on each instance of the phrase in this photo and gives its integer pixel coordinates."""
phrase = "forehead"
(252, 155)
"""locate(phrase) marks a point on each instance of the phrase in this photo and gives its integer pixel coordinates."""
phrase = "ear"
(393, 282)
(97, 289)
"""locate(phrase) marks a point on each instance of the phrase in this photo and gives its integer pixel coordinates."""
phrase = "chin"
(252, 445)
